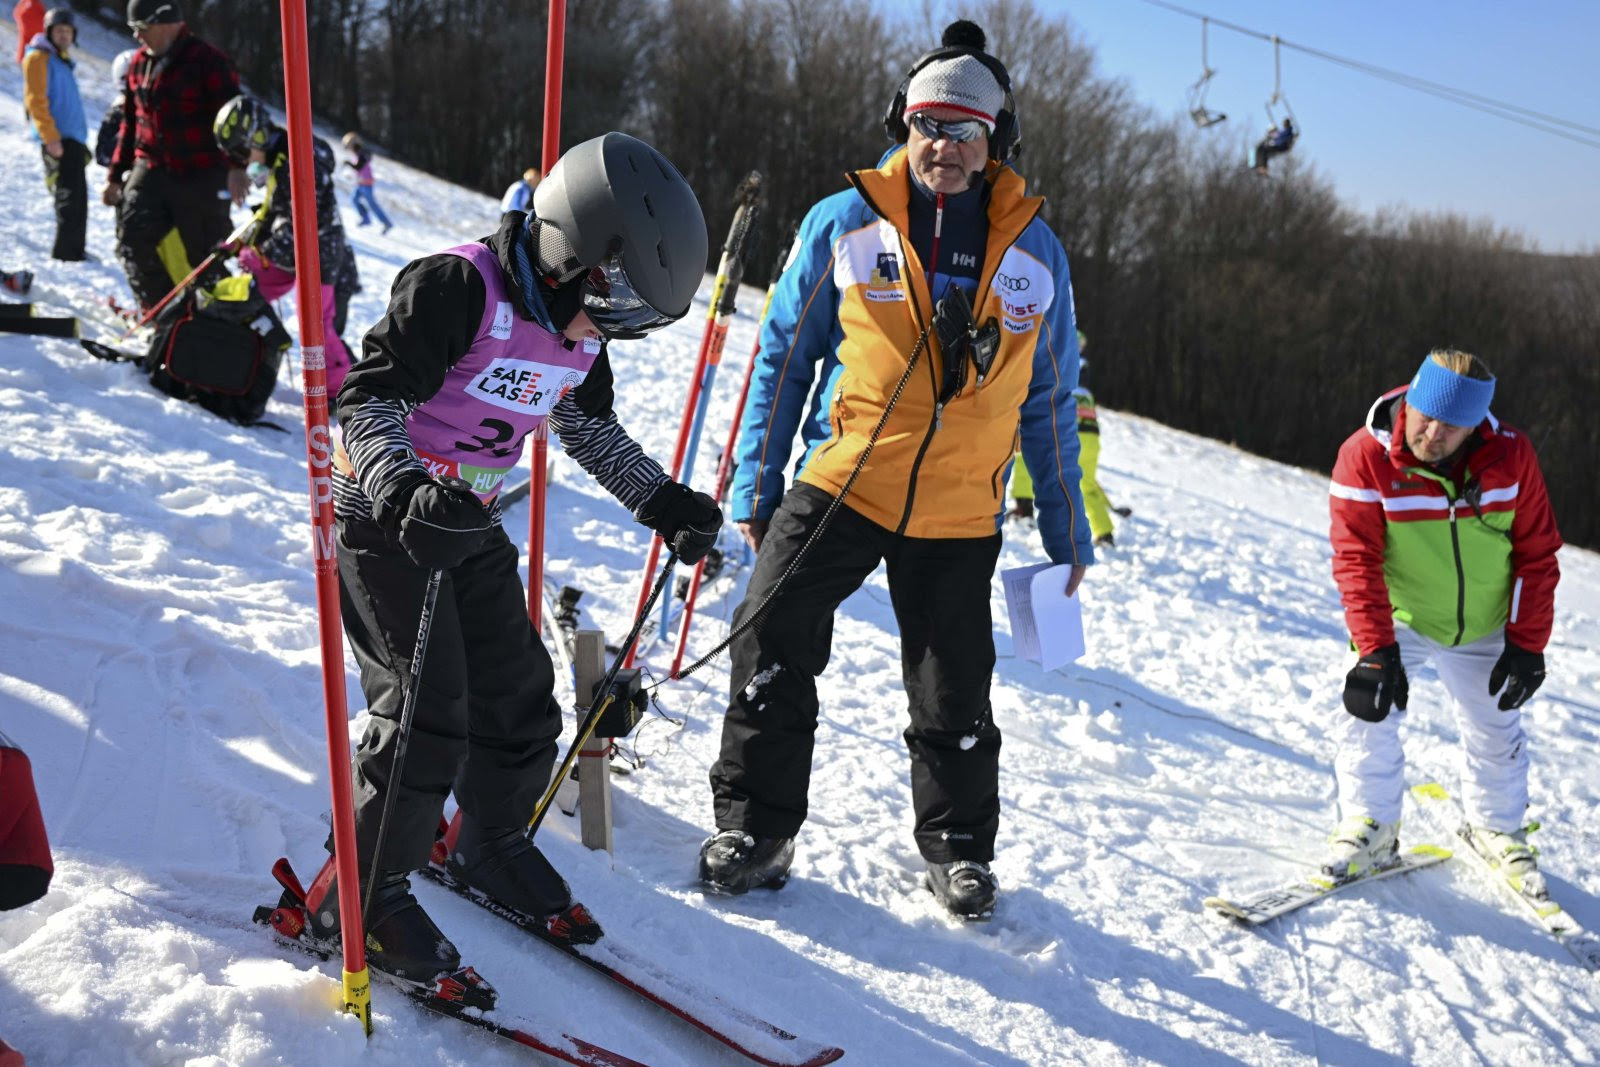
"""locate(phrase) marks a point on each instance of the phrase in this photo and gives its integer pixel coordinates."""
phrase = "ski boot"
(401, 939)
(966, 888)
(1511, 855)
(734, 862)
(1360, 845)
(502, 864)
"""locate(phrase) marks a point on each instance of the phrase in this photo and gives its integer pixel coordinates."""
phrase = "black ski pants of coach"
(154, 201)
(485, 725)
(939, 588)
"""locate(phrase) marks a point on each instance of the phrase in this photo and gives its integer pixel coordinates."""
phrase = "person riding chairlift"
(1279, 139)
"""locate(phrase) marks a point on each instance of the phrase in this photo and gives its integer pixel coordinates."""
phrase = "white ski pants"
(1370, 765)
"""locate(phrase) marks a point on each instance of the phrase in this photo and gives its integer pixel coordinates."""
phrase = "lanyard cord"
(764, 608)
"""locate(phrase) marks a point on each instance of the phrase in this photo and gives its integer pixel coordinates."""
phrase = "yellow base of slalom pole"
(358, 997)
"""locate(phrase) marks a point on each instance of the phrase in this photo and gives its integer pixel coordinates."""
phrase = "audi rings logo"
(1010, 284)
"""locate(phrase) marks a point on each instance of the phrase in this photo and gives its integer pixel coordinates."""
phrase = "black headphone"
(1002, 142)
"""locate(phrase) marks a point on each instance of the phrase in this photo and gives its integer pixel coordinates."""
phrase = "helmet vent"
(648, 206)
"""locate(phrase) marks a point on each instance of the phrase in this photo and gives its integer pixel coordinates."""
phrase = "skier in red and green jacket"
(1444, 550)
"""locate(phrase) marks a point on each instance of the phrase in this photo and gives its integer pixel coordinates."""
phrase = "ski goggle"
(614, 305)
(958, 130)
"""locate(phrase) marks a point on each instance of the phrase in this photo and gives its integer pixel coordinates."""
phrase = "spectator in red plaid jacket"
(166, 169)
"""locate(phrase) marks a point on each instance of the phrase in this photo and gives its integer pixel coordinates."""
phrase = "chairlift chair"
(1202, 115)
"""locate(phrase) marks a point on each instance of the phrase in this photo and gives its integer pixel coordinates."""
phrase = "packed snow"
(159, 662)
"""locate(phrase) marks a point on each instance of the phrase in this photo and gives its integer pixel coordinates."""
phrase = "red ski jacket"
(25, 866)
(1455, 558)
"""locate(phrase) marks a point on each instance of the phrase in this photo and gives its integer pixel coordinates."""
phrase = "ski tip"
(1430, 791)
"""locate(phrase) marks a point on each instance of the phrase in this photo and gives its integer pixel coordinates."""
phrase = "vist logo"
(501, 327)
(523, 385)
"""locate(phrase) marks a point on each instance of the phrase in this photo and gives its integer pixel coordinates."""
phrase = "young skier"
(482, 343)
(245, 131)
(365, 198)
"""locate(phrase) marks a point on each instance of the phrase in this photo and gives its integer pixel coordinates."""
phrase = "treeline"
(1254, 310)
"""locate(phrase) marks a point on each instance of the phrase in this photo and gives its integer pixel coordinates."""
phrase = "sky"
(159, 663)
(1379, 143)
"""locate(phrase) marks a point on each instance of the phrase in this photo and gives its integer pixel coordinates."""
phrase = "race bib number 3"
(522, 385)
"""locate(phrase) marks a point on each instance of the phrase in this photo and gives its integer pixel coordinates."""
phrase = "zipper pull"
(938, 414)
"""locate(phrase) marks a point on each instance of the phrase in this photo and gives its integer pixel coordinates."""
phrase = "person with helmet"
(247, 134)
(481, 344)
(365, 198)
(50, 95)
(166, 170)
(105, 141)
(877, 303)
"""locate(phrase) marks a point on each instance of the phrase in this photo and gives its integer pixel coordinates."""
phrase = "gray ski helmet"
(619, 210)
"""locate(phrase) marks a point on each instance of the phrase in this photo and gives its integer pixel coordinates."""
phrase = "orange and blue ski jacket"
(1455, 558)
(850, 307)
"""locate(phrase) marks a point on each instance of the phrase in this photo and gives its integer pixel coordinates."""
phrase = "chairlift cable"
(1540, 121)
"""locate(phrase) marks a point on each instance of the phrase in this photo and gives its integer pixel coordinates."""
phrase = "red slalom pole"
(554, 56)
(725, 464)
(684, 426)
(319, 455)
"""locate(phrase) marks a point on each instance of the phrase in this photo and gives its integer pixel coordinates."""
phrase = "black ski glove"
(1375, 683)
(441, 524)
(685, 519)
(1520, 671)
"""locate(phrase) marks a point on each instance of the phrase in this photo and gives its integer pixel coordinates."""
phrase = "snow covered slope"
(158, 660)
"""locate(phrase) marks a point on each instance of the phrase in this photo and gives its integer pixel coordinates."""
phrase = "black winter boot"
(500, 862)
(965, 887)
(401, 939)
(735, 862)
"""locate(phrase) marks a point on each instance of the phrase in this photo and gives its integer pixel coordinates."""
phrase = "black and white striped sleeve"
(603, 448)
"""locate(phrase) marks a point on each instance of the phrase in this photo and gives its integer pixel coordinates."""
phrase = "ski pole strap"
(602, 697)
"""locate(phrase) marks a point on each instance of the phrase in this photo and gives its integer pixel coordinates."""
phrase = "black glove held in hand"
(1520, 671)
(1375, 683)
(685, 519)
(443, 523)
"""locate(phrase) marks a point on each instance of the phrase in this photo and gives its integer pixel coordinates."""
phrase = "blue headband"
(1441, 393)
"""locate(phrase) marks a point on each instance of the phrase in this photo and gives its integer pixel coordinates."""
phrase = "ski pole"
(602, 698)
(224, 248)
(408, 711)
(725, 464)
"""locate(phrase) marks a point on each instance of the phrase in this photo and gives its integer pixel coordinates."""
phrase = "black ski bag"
(221, 347)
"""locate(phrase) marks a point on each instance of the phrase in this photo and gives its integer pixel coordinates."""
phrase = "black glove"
(1375, 683)
(685, 519)
(1520, 671)
(442, 523)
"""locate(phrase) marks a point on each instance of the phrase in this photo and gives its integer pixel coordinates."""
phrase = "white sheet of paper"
(1046, 627)
(1057, 619)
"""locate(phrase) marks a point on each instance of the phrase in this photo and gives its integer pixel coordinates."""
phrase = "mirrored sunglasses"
(615, 306)
(958, 130)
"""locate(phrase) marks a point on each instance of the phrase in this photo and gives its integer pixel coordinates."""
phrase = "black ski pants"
(155, 201)
(69, 188)
(940, 592)
(486, 724)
